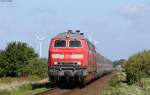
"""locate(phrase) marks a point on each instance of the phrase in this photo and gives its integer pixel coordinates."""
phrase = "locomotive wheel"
(62, 80)
(82, 82)
(53, 79)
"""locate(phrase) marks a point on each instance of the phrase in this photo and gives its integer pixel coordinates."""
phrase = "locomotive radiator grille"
(68, 64)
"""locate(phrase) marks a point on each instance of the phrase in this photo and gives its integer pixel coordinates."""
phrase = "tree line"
(19, 59)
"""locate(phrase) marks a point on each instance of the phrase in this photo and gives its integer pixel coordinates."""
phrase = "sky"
(121, 27)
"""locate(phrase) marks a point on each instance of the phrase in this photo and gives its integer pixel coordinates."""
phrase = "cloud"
(136, 10)
(137, 16)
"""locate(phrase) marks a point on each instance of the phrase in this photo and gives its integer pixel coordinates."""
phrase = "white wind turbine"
(40, 39)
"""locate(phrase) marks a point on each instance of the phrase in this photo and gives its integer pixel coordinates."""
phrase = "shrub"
(19, 59)
(137, 67)
(123, 89)
(5, 92)
(36, 67)
(117, 86)
(117, 78)
(14, 58)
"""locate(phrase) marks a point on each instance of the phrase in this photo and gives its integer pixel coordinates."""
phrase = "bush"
(117, 78)
(134, 73)
(117, 86)
(18, 59)
(123, 89)
(14, 58)
(3, 64)
(36, 67)
(137, 69)
(144, 84)
(139, 88)
(138, 66)
(5, 92)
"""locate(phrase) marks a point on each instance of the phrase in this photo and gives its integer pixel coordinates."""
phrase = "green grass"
(118, 86)
(6, 80)
(27, 90)
(23, 90)
(23, 86)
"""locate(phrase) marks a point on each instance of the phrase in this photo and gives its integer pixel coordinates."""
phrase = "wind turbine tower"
(40, 39)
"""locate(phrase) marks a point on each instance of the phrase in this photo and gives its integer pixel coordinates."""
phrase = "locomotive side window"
(74, 43)
(89, 45)
(60, 43)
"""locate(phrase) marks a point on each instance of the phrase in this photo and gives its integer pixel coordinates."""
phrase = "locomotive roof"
(71, 35)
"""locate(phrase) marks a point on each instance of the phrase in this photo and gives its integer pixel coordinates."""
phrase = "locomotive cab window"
(60, 43)
(89, 44)
(74, 43)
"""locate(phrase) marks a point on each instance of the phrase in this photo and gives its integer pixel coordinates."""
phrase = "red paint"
(89, 54)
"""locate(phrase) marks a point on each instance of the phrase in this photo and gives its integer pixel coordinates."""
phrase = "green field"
(22, 86)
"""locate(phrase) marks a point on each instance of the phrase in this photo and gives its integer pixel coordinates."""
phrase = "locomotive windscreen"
(74, 43)
(60, 43)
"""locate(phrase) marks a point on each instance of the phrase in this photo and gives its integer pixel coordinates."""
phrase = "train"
(73, 58)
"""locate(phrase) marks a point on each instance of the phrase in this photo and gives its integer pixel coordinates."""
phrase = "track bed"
(94, 88)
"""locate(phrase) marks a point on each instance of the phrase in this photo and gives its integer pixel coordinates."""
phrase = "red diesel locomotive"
(73, 58)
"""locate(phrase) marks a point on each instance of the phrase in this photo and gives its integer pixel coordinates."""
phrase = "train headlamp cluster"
(55, 63)
(79, 63)
(67, 36)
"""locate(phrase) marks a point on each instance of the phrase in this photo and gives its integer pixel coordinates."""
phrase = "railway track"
(48, 91)
(57, 91)
(93, 88)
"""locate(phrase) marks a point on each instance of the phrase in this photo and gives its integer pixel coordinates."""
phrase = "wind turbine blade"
(42, 38)
(37, 36)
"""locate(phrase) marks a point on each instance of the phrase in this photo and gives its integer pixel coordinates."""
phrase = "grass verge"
(118, 86)
(23, 86)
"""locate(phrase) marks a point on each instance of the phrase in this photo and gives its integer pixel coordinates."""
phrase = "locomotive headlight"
(55, 63)
(77, 56)
(79, 63)
(61, 56)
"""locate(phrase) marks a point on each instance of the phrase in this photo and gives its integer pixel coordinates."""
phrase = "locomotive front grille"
(67, 69)
(67, 64)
